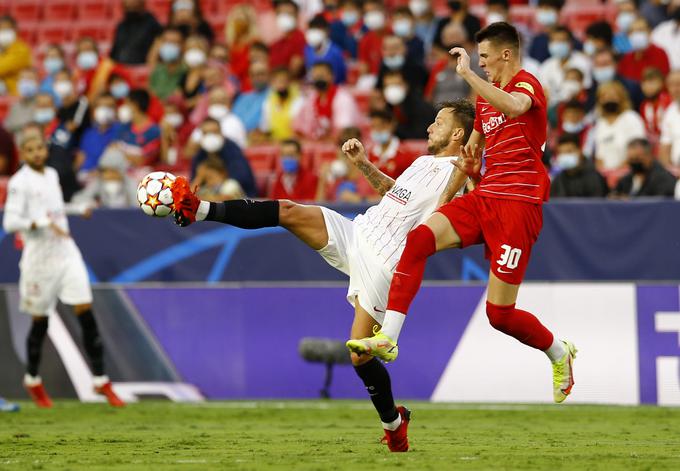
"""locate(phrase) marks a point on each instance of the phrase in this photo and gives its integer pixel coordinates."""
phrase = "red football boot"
(185, 202)
(397, 440)
(107, 390)
(36, 390)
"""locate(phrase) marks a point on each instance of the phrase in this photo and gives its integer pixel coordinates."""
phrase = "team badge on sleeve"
(526, 86)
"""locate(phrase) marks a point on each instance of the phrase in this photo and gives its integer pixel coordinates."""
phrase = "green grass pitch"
(337, 435)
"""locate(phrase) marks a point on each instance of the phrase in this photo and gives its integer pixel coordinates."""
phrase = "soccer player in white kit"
(51, 265)
(368, 248)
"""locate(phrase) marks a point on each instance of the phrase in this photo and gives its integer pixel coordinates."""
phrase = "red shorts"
(508, 229)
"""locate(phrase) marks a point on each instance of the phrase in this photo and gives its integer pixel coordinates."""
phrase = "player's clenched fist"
(463, 60)
(354, 150)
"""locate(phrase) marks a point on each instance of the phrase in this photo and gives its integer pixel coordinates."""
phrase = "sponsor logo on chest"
(399, 194)
(491, 124)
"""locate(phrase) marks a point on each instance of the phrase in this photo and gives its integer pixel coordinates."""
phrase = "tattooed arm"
(355, 152)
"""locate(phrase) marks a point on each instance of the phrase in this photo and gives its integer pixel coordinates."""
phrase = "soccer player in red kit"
(504, 211)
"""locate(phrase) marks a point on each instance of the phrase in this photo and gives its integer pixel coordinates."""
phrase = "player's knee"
(420, 243)
(358, 360)
(499, 316)
(287, 212)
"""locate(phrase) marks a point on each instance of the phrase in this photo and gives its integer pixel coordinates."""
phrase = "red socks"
(522, 325)
(420, 244)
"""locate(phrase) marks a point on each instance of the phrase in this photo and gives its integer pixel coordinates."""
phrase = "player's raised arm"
(355, 152)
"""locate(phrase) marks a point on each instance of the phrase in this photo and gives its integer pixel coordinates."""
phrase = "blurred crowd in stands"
(254, 98)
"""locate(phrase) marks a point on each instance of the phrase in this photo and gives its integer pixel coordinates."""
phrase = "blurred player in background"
(504, 212)
(8, 406)
(368, 248)
(51, 264)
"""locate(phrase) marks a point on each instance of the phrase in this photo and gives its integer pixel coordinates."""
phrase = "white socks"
(31, 381)
(392, 324)
(556, 351)
(99, 381)
(202, 211)
(392, 425)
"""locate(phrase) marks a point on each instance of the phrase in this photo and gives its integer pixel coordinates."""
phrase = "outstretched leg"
(34, 345)
(379, 386)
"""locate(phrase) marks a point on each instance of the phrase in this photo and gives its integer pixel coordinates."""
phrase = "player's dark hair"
(293, 142)
(500, 34)
(384, 115)
(641, 142)
(600, 30)
(141, 98)
(319, 22)
(568, 138)
(463, 113)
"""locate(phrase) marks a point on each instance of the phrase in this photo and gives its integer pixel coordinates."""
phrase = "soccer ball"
(154, 194)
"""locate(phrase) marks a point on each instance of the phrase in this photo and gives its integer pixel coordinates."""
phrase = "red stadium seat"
(27, 31)
(59, 10)
(94, 10)
(262, 159)
(26, 10)
(139, 75)
(209, 7)
(57, 33)
(363, 99)
(160, 9)
(580, 17)
(100, 30)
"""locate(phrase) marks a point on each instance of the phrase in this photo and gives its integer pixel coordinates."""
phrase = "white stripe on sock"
(392, 324)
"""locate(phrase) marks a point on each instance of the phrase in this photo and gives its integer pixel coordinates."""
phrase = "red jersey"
(514, 147)
(301, 188)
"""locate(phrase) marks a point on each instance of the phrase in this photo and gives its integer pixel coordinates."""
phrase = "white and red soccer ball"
(154, 194)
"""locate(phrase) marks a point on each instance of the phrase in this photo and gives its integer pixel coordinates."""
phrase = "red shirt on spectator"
(392, 162)
(437, 67)
(296, 187)
(282, 51)
(633, 63)
(370, 50)
(652, 111)
(239, 61)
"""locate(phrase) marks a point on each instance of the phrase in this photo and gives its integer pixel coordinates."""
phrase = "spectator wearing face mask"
(187, 17)
(647, 177)
(562, 57)
(667, 35)
(214, 145)
(139, 137)
(21, 111)
(101, 132)
(248, 106)
(240, 33)
(458, 14)
(327, 108)
(599, 36)
(110, 187)
(425, 22)
(547, 17)
(92, 72)
(175, 132)
(573, 122)
(669, 150)
(218, 108)
(289, 50)
(626, 15)
(403, 26)
(412, 113)
(15, 55)
(617, 124)
(72, 110)
(350, 16)
(321, 49)
(395, 58)
(643, 54)
(53, 62)
(214, 182)
(167, 68)
(577, 178)
(384, 151)
(657, 100)
(135, 34)
(604, 70)
(120, 85)
(281, 106)
(293, 181)
(375, 22)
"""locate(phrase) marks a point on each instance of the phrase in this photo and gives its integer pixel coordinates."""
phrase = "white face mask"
(87, 60)
(624, 20)
(218, 111)
(212, 142)
(7, 37)
(402, 28)
(315, 37)
(639, 40)
(112, 187)
(571, 87)
(63, 88)
(104, 115)
(589, 48)
(418, 7)
(568, 161)
(195, 57)
(286, 22)
(395, 94)
(174, 119)
(338, 169)
(374, 20)
(124, 114)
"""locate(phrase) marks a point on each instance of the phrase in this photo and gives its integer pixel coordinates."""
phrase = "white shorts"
(348, 251)
(41, 287)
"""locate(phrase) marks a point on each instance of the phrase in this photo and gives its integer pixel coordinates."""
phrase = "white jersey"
(410, 202)
(36, 198)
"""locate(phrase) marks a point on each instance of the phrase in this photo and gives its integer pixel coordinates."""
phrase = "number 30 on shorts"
(509, 257)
